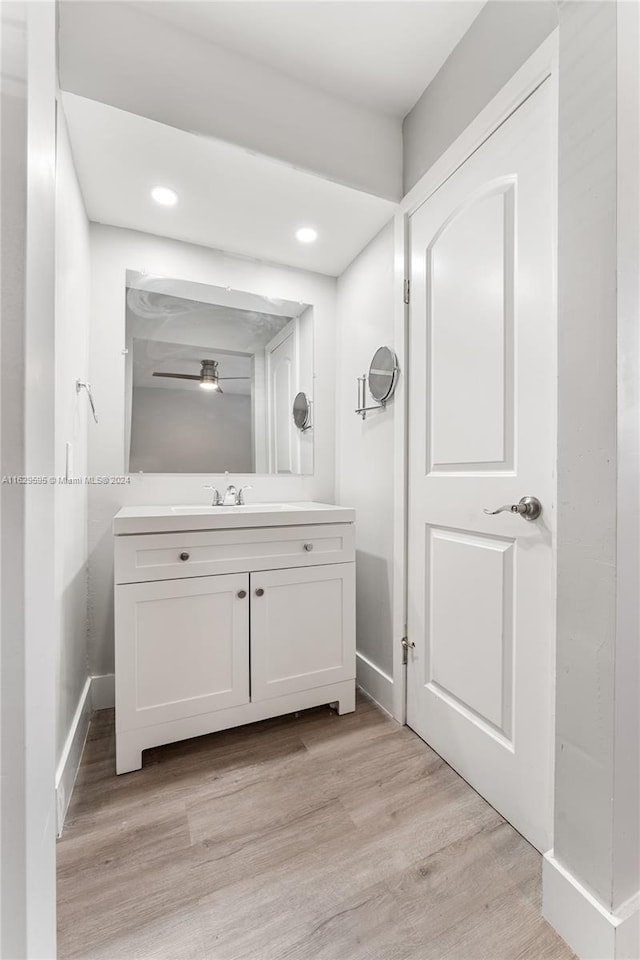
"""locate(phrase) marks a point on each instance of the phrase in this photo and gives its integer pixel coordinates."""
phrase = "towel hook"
(80, 384)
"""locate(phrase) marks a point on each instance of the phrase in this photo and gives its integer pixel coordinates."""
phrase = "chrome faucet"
(233, 497)
(230, 498)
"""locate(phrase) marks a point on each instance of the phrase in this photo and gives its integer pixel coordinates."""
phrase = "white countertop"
(168, 519)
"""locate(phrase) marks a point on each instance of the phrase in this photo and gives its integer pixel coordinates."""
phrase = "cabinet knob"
(259, 592)
(184, 555)
(308, 547)
(242, 594)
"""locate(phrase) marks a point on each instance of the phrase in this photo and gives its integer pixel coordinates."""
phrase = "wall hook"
(80, 385)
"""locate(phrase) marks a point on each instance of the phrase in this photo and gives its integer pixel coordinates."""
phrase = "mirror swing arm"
(361, 409)
(382, 379)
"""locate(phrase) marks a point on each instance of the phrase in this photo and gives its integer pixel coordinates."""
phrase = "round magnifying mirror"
(383, 374)
(302, 411)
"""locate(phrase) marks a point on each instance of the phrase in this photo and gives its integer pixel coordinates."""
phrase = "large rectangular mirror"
(211, 379)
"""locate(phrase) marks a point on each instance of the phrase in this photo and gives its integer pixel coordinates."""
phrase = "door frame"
(542, 65)
(291, 329)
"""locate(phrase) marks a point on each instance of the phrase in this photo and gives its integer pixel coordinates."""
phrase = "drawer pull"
(242, 594)
(184, 555)
(259, 592)
(308, 547)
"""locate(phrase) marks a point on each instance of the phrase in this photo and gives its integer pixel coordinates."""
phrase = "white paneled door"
(482, 435)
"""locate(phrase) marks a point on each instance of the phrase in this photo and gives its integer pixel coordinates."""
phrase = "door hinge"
(407, 291)
(406, 646)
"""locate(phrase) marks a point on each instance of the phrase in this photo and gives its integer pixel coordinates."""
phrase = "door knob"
(259, 592)
(529, 508)
(242, 594)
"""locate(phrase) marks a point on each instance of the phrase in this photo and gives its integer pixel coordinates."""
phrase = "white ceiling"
(230, 198)
(209, 294)
(170, 319)
(380, 54)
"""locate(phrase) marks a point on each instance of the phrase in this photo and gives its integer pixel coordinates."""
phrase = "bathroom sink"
(181, 517)
(240, 508)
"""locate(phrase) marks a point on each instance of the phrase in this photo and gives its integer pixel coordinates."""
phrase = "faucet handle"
(216, 499)
(241, 493)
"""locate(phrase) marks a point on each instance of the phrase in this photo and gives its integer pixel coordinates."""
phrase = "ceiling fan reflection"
(208, 378)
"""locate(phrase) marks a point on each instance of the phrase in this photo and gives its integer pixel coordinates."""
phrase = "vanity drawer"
(171, 556)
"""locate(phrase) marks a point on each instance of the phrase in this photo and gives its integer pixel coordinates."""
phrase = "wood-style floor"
(314, 837)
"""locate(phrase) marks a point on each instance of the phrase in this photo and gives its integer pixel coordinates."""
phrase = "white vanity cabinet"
(219, 627)
(302, 629)
(182, 647)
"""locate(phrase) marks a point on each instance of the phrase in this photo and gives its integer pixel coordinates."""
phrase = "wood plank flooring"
(310, 837)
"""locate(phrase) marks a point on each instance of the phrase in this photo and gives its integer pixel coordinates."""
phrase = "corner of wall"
(592, 932)
(365, 457)
(72, 299)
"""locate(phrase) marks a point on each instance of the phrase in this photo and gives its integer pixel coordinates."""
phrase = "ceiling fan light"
(209, 375)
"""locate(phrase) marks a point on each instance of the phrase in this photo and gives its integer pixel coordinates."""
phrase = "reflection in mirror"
(302, 411)
(382, 374)
(211, 376)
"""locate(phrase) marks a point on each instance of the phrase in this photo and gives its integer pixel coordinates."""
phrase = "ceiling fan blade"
(234, 378)
(178, 376)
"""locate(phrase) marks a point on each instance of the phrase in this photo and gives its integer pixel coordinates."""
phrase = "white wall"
(365, 452)
(171, 429)
(13, 171)
(261, 109)
(72, 306)
(27, 675)
(498, 42)
(627, 677)
(114, 251)
(597, 843)
(592, 877)
(587, 446)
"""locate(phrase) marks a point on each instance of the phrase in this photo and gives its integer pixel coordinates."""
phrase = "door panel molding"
(486, 415)
(456, 624)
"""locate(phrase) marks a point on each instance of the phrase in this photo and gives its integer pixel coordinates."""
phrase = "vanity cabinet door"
(302, 629)
(182, 648)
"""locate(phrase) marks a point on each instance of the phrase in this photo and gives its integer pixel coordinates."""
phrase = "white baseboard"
(375, 682)
(592, 932)
(71, 756)
(103, 691)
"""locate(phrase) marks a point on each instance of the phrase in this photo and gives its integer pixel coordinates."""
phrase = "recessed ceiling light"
(165, 196)
(306, 235)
